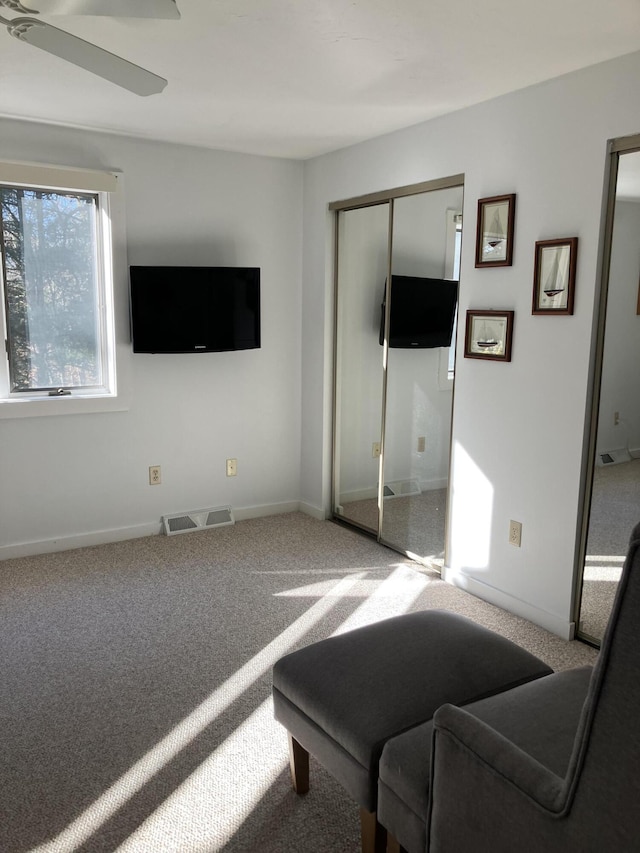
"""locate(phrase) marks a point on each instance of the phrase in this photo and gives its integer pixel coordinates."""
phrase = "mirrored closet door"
(612, 507)
(396, 303)
(363, 236)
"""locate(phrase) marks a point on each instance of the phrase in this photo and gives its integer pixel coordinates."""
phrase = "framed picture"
(554, 276)
(494, 238)
(488, 335)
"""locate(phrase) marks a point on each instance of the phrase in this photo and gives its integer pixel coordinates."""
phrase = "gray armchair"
(545, 779)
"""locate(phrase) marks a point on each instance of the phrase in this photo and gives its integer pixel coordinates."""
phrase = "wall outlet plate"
(515, 533)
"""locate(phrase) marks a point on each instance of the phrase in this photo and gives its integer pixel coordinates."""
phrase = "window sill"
(445, 377)
(36, 407)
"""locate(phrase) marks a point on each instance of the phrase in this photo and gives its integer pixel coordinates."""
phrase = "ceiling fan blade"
(17, 6)
(88, 56)
(164, 9)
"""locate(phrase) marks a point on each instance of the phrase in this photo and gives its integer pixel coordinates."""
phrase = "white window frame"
(112, 287)
(447, 358)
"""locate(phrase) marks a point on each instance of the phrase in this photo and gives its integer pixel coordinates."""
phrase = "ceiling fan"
(83, 53)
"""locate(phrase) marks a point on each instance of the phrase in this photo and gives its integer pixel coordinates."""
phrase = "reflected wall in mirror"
(426, 245)
(363, 237)
(615, 493)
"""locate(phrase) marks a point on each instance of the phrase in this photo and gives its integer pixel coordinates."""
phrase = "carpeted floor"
(135, 681)
(412, 523)
(615, 509)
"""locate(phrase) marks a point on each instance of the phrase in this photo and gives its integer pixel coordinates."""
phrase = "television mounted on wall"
(194, 309)
(423, 311)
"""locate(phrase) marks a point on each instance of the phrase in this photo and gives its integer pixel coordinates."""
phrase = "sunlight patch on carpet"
(210, 806)
(113, 799)
(393, 596)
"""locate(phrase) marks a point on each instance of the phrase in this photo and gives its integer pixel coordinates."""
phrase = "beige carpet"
(412, 523)
(615, 510)
(135, 681)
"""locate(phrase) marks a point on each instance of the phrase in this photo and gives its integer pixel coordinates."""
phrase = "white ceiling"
(298, 78)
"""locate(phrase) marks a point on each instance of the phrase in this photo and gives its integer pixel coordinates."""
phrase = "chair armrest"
(495, 756)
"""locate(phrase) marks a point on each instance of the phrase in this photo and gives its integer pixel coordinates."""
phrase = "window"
(57, 293)
(452, 271)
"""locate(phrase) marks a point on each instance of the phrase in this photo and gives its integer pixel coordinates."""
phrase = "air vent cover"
(401, 489)
(613, 457)
(197, 519)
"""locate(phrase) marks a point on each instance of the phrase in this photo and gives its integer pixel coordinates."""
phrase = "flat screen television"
(422, 312)
(194, 309)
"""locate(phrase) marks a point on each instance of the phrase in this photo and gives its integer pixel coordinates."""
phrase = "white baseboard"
(261, 510)
(432, 485)
(82, 540)
(314, 511)
(620, 454)
(549, 621)
(103, 537)
(371, 493)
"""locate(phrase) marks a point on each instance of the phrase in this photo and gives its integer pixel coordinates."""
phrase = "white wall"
(621, 357)
(518, 427)
(68, 480)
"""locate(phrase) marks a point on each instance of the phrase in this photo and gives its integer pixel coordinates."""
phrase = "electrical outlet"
(616, 418)
(515, 533)
(232, 467)
(155, 475)
(375, 449)
(421, 443)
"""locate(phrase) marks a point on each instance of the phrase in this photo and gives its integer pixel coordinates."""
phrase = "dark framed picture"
(554, 276)
(489, 335)
(494, 237)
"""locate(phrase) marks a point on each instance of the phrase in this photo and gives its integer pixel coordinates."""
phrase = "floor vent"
(613, 457)
(197, 519)
(401, 489)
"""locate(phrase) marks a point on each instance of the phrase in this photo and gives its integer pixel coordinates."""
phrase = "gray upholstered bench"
(341, 699)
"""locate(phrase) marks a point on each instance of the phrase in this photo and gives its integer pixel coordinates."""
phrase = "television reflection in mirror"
(423, 311)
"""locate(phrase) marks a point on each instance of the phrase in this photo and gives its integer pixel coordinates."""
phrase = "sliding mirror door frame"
(359, 389)
(339, 208)
(615, 149)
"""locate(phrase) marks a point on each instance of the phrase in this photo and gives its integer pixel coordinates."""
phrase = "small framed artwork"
(488, 335)
(494, 237)
(554, 276)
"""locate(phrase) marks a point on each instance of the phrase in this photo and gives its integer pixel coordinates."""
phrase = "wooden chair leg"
(372, 834)
(299, 764)
(393, 845)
